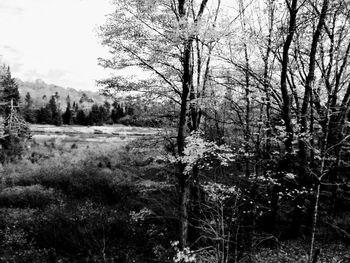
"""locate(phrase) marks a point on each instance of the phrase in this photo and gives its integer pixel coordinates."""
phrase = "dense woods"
(251, 164)
(267, 79)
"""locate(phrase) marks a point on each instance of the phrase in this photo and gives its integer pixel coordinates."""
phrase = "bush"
(15, 247)
(141, 121)
(84, 231)
(96, 184)
(26, 196)
(12, 148)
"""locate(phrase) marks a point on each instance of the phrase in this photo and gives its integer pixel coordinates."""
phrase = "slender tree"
(167, 39)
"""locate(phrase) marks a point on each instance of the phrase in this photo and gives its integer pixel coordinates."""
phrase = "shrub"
(12, 148)
(15, 247)
(26, 196)
(83, 231)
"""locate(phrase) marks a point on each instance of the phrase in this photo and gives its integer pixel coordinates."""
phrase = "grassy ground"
(72, 136)
(84, 196)
(71, 197)
(106, 129)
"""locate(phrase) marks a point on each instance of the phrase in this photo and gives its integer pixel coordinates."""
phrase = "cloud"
(56, 73)
(53, 39)
(9, 48)
(8, 7)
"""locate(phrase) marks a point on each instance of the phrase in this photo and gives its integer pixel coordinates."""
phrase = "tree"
(67, 116)
(81, 118)
(9, 89)
(45, 115)
(117, 112)
(171, 41)
(55, 110)
(96, 115)
(106, 112)
(14, 129)
(29, 112)
(75, 109)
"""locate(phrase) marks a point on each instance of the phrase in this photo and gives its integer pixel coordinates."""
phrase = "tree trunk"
(183, 178)
(187, 82)
(184, 201)
(308, 83)
(286, 109)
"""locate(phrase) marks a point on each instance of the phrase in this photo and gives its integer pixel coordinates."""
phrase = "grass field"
(86, 135)
(116, 129)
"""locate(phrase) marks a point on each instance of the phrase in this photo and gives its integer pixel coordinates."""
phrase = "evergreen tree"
(104, 115)
(29, 113)
(95, 116)
(107, 111)
(55, 110)
(81, 118)
(74, 111)
(117, 112)
(9, 90)
(45, 115)
(67, 115)
(14, 129)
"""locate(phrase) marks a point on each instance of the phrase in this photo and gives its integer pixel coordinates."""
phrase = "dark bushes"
(26, 196)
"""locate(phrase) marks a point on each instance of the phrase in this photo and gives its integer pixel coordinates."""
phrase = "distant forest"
(86, 112)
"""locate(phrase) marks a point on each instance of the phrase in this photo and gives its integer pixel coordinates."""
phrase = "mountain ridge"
(41, 92)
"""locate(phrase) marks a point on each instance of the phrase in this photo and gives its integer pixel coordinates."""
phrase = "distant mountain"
(41, 93)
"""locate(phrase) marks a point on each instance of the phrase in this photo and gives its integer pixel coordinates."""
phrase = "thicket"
(262, 105)
(75, 204)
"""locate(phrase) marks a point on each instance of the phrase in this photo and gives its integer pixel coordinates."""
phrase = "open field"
(116, 129)
(73, 134)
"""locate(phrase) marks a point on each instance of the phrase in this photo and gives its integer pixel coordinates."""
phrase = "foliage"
(259, 159)
(13, 128)
(23, 196)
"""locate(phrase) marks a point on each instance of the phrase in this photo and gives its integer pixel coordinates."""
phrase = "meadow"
(70, 197)
(80, 134)
(104, 194)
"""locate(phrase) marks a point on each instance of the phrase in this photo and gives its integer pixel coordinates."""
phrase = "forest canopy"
(270, 79)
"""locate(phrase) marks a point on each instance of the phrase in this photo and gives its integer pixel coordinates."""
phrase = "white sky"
(53, 40)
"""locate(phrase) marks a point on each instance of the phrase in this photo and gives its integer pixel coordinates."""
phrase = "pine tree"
(45, 115)
(75, 109)
(117, 112)
(9, 90)
(67, 115)
(14, 129)
(56, 112)
(81, 118)
(29, 113)
(107, 111)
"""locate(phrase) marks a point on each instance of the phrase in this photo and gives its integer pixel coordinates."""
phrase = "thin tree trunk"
(267, 85)
(309, 81)
(187, 82)
(314, 221)
(182, 177)
(319, 179)
(247, 115)
(286, 109)
(247, 93)
(184, 201)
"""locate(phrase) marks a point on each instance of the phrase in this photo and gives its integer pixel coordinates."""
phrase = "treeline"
(86, 112)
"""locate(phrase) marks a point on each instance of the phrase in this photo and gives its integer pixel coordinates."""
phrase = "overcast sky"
(53, 40)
